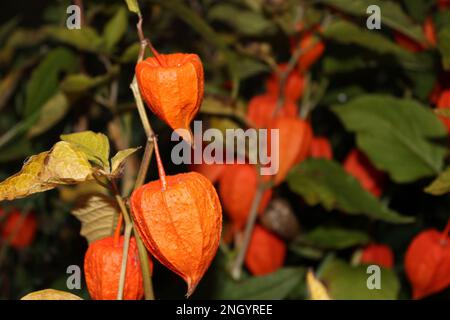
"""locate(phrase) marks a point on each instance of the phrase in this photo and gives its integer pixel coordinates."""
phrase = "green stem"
(126, 242)
(145, 267)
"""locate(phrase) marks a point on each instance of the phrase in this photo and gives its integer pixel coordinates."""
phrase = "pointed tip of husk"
(186, 135)
(192, 285)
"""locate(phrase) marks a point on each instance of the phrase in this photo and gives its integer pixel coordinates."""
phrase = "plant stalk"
(236, 269)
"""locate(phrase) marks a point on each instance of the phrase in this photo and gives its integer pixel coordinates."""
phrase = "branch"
(236, 269)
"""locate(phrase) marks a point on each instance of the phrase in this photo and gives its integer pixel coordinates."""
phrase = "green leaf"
(130, 54)
(51, 113)
(325, 182)
(77, 83)
(115, 29)
(418, 9)
(440, 185)
(274, 286)
(395, 134)
(392, 15)
(133, 6)
(94, 145)
(43, 83)
(119, 159)
(348, 33)
(444, 46)
(246, 22)
(346, 282)
(250, 67)
(335, 238)
(85, 38)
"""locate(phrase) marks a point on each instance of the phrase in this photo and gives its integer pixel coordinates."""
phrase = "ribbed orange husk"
(180, 225)
(357, 164)
(266, 252)
(379, 254)
(24, 229)
(261, 109)
(102, 265)
(293, 146)
(237, 188)
(173, 90)
(321, 148)
(427, 263)
(294, 87)
(313, 49)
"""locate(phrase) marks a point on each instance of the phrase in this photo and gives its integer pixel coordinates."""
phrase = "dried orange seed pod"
(379, 254)
(357, 164)
(180, 225)
(427, 262)
(321, 148)
(22, 229)
(293, 146)
(179, 219)
(102, 265)
(261, 109)
(172, 85)
(237, 188)
(266, 252)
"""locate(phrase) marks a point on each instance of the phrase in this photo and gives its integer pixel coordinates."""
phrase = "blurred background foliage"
(54, 80)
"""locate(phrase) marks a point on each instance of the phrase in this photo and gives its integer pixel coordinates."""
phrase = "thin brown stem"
(236, 269)
(141, 108)
(126, 242)
(142, 173)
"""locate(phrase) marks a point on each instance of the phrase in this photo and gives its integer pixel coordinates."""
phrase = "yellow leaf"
(63, 164)
(317, 290)
(98, 215)
(66, 165)
(27, 181)
(50, 294)
(94, 145)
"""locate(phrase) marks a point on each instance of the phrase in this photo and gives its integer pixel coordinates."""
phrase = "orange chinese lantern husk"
(180, 223)
(294, 87)
(357, 164)
(102, 265)
(427, 262)
(293, 145)
(266, 252)
(261, 109)
(378, 254)
(19, 231)
(237, 188)
(321, 148)
(172, 85)
(313, 51)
